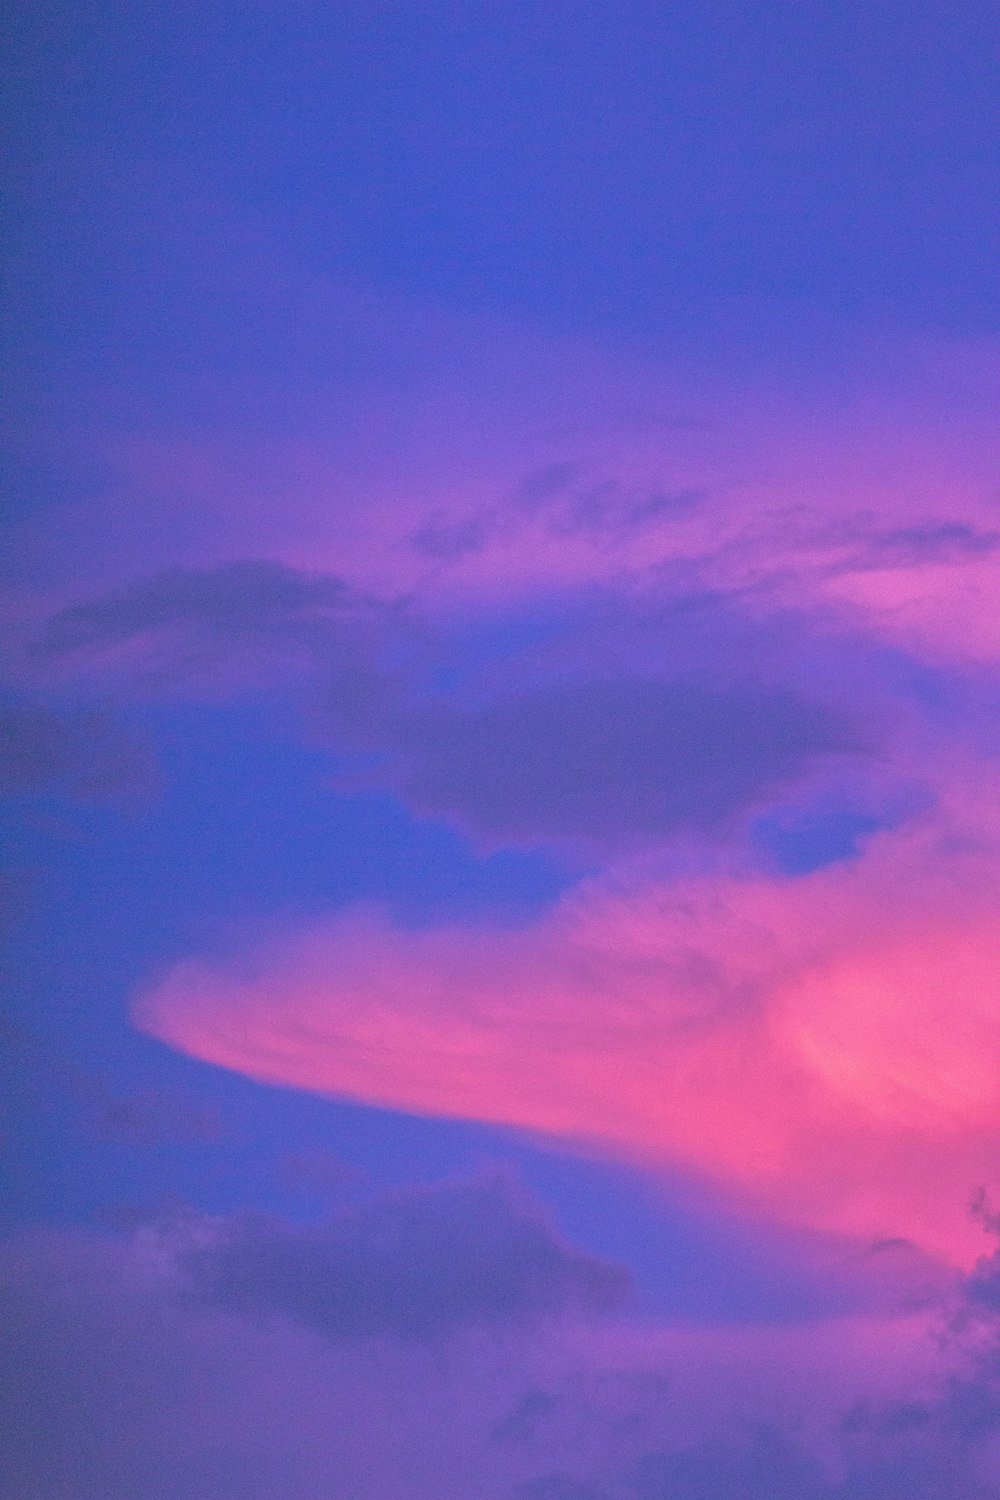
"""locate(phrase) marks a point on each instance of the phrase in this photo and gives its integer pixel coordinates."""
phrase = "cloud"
(765, 1465)
(929, 542)
(232, 627)
(765, 638)
(937, 1440)
(247, 597)
(821, 1045)
(616, 722)
(119, 1384)
(114, 1389)
(615, 761)
(559, 1487)
(559, 500)
(33, 748)
(81, 754)
(618, 514)
(681, 989)
(241, 1357)
(415, 1265)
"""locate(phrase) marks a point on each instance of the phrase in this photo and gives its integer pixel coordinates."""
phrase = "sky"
(499, 737)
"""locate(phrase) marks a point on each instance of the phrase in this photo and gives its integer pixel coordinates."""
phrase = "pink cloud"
(823, 1047)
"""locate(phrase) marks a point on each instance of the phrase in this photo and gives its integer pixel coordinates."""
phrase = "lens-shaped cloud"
(823, 1045)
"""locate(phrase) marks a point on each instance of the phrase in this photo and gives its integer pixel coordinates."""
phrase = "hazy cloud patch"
(418, 1264)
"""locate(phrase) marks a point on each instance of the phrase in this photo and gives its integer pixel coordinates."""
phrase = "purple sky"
(499, 668)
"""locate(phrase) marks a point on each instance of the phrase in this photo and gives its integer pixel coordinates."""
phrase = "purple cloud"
(615, 760)
(241, 598)
(79, 754)
(419, 1264)
(624, 728)
(119, 1384)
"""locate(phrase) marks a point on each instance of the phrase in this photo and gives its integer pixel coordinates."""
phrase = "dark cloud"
(226, 632)
(82, 755)
(446, 540)
(543, 484)
(613, 726)
(804, 838)
(226, 1360)
(522, 1423)
(766, 1465)
(146, 1118)
(34, 748)
(249, 599)
(948, 542)
(932, 542)
(935, 541)
(614, 513)
(560, 1487)
(940, 1450)
(567, 503)
(416, 1265)
(608, 760)
(112, 1389)
(116, 1383)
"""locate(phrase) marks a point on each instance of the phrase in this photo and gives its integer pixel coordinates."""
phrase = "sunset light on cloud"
(818, 1037)
(822, 1041)
(499, 749)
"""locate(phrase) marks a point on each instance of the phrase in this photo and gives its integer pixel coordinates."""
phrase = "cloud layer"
(200, 1356)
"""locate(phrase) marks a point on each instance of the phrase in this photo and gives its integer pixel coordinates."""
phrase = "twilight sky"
(499, 745)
